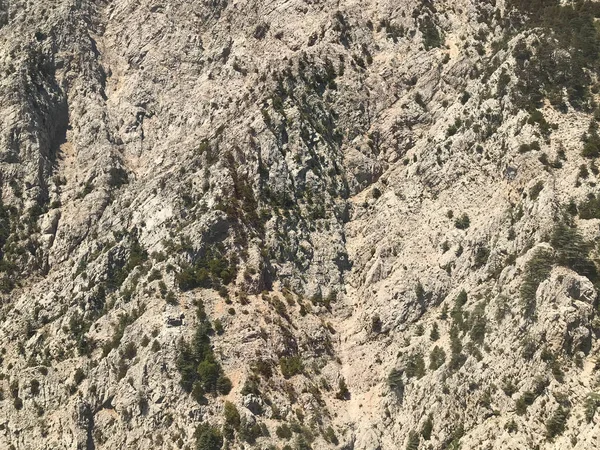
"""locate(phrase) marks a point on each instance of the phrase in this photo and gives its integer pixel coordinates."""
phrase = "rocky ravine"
(299, 224)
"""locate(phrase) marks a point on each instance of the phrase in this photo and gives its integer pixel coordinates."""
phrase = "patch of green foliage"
(395, 381)
(210, 270)
(415, 366)
(208, 437)
(432, 37)
(478, 324)
(589, 208)
(200, 371)
(457, 358)
(119, 273)
(291, 366)
(572, 251)
(555, 425)
(535, 190)
(283, 431)
(457, 310)
(413, 441)
(463, 222)
(546, 72)
(437, 358)
(592, 402)
(4, 227)
(591, 142)
(537, 270)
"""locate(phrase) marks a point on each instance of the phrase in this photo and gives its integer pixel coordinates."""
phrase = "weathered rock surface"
(393, 249)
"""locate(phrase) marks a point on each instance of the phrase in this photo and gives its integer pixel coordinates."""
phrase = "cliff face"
(298, 224)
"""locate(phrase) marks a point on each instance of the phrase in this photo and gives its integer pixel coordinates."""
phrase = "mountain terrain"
(299, 224)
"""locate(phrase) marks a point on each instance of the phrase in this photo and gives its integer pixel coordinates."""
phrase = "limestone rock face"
(363, 225)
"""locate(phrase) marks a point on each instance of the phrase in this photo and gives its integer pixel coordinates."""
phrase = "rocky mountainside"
(299, 224)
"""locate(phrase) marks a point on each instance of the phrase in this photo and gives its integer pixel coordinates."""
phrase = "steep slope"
(299, 224)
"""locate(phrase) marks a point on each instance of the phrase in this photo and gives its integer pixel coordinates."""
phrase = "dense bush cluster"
(200, 372)
(208, 437)
(291, 366)
(547, 72)
(570, 250)
(207, 271)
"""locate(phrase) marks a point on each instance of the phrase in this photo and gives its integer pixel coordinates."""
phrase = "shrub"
(343, 393)
(572, 250)
(482, 253)
(444, 312)
(171, 299)
(218, 326)
(208, 373)
(457, 311)
(200, 372)
(427, 428)
(130, 351)
(463, 222)
(154, 275)
(330, 436)
(4, 227)
(437, 358)
(224, 385)
(79, 376)
(413, 441)
(537, 270)
(249, 432)
(453, 129)
(207, 271)
(291, 366)
(395, 381)
(464, 98)
(592, 402)
(35, 387)
(534, 192)
(508, 386)
(524, 148)
(208, 438)
(415, 366)
(232, 415)
(283, 431)
(457, 359)
(263, 367)
(137, 256)
(556, 370)
(478, 325)
(511, 426)
(555, 425)
(591, 146)
(432, 37)
(524, 401)
(590, 208)
(420, 292)
(435, 333)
